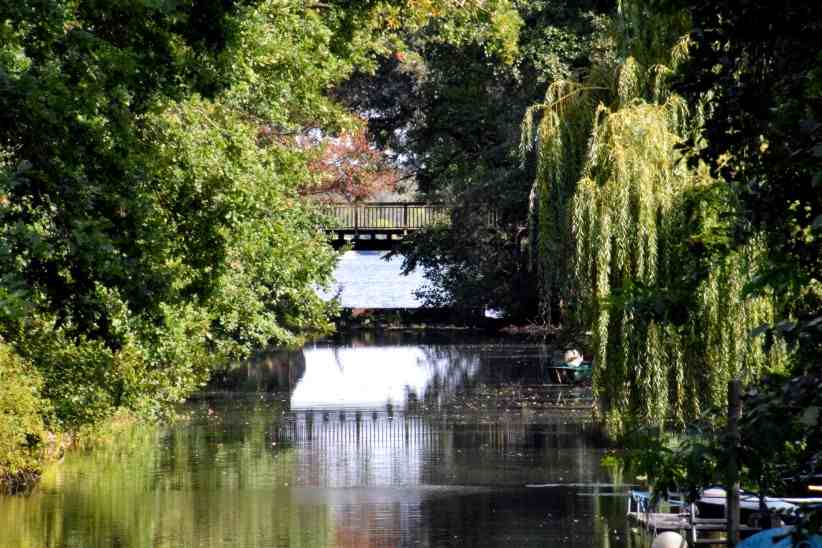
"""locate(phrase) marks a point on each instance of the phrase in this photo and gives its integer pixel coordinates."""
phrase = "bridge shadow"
(374, 241)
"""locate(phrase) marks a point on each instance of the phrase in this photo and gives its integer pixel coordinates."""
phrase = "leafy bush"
(21, 422)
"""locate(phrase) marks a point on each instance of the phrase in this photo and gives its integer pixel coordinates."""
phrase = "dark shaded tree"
(451, 114)
(755, 72)
(757, 69)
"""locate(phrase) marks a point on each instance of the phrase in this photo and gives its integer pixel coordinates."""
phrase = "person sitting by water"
(572, 358)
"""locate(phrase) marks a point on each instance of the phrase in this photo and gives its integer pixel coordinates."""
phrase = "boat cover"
(765, 539)
(747, 501)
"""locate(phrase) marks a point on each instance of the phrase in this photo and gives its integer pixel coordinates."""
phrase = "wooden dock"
(681, 518)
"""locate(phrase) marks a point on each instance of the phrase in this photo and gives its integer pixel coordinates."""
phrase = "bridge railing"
(379, 215)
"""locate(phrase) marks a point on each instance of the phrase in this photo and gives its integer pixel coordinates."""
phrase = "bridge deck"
(377, 225)
(380, 217)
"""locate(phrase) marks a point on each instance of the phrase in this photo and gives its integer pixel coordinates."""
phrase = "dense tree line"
(451, 114)
(151, 178)
(679, 183)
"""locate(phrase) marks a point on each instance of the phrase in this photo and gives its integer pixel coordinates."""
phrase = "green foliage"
(763, 93)
(21, 422)
(489, 272)
(147, 233)
(273, 253)
(631, 239)
(451, 111)
(758, 70)
(754, 73)
(150, 218)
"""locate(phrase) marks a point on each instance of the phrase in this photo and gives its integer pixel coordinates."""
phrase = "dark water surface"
(397, 441)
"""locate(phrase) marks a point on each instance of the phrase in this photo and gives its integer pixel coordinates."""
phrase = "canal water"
(365, 279)
(376, 441)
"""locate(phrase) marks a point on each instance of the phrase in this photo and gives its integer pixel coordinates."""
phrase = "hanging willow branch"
(612, 209)
(528, 135)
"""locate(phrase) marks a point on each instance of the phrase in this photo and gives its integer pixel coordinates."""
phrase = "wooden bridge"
(379, 225)
(381, 222)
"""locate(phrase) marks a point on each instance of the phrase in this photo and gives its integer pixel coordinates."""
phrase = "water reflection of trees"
(452, 369)
(272, 371)
(460, 369)
(349, 448)
(213, 481)
(449, 480)
(516, 517)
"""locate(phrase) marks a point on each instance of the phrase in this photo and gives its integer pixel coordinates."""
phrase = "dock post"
(692, 523)
(732, 491)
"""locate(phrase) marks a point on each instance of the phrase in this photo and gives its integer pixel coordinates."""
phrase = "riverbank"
(359, 319)
(23, 466)
(363, 319)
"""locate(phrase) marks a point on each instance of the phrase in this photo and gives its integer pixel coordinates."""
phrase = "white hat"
(572, 358)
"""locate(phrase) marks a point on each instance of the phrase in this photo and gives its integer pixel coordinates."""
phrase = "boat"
(569, 374)
(777, 538)
(711, 504)
(708, 516)
(569, 367)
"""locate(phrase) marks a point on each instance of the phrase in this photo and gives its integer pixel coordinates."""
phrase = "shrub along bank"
(21, 422)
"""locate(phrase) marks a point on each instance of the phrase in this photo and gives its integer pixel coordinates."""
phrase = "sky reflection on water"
(363, 279)
(370, 377)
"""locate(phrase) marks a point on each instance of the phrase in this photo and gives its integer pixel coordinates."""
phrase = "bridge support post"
(356, 222)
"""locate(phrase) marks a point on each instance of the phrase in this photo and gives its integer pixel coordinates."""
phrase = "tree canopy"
(450, 113)
(151, 216)
(678, 184)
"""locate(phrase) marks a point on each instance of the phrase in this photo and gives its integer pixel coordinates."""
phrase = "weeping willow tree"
(616, 212)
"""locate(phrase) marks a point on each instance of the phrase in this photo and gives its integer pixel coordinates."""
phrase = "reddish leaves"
(348, 167)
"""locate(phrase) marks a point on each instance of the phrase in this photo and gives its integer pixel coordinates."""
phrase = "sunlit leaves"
(21, 422)
(632, 242)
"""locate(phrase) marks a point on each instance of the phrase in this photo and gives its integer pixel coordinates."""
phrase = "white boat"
(713, 500)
